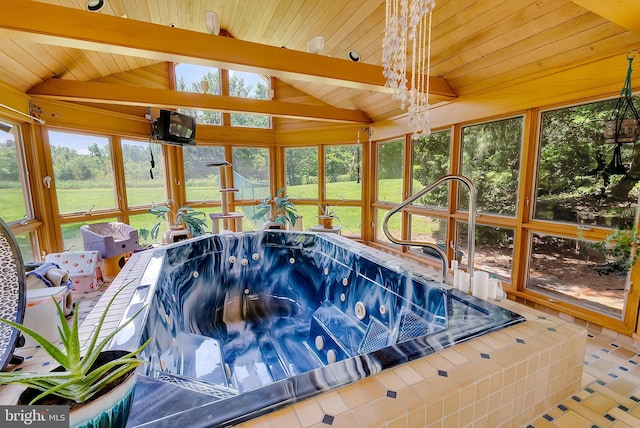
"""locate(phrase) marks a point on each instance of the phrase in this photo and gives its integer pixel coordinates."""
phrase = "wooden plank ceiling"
(478, 46)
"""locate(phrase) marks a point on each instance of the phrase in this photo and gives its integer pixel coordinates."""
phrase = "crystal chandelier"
(408, 26)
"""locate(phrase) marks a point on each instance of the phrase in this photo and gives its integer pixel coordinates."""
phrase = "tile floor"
(610, 394)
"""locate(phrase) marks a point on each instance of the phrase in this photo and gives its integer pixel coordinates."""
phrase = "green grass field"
(96, 198)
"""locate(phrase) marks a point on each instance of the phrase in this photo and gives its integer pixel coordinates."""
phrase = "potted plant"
(620, 249)
(187, 222)
(148, 237)
(327, 216)
(280, 209)
(96, 384)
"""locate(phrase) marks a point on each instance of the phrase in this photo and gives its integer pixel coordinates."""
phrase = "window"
(394, 225)
(199, 79)
(575, 180)
(428, 229)
(301, 172)
(349, 219)
(249, 85)
(343, 175)
(493, 249)
(390, 163)
(202, 182)
(143, 172)
(83, 172)
(491, 159)
(430, 161)
(15, 197)
(251, 172)
(569, 269)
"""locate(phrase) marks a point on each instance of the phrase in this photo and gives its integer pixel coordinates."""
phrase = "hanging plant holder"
(623, 126)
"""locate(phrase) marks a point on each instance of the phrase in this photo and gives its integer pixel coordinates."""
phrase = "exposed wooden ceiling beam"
(624, 13)
(56, 25)
(108, 93)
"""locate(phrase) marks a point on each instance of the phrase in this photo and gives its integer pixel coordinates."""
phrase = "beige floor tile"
(572, 420)
(599, 403)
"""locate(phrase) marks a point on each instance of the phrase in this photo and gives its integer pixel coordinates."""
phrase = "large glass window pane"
(491, 159)
(575, 181)
(82, 171)
(493, 250)
(202, 182)
(428, 229)
(15, 197)
(29, 253)
(251, 172)
(390, 156)
(143, 172)
(568, 269)
(349, 219)
(203, 80)
(343, 173)
(430, 162)
(394, 225)
(301, 172)
(249, 85)
(309, 216)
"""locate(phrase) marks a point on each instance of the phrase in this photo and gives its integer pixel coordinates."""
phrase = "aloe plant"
(77, 382)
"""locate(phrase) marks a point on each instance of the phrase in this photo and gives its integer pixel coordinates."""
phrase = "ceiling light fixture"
(408, 32)
(95, 5)
(315, 45)
(212, 22)
(354, 56)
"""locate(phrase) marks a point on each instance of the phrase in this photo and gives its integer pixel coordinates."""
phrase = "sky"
(193, 73)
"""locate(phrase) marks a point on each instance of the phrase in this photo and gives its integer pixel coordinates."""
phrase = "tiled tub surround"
(504, 378)
(244, 324)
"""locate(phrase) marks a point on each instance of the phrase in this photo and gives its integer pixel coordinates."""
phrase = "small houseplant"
(280, 209)
(327, 216)
(149, 236)
(183, 218)
(620, 249)
(84, 381)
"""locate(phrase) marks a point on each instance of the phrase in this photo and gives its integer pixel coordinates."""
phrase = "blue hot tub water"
(243, 324)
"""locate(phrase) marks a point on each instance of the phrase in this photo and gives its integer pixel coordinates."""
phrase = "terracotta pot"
(327, 221)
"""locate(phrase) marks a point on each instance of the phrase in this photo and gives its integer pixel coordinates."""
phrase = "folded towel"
(57, 277)
(50, 274)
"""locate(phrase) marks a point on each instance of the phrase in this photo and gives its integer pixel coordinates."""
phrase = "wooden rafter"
(61, 26)
(107, 93)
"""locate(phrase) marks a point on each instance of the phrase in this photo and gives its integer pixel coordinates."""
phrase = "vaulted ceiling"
(57, 49)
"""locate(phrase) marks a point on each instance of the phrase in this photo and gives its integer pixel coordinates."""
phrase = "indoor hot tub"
(244, 324)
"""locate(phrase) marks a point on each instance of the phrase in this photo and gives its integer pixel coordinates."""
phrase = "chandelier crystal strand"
(408, 23)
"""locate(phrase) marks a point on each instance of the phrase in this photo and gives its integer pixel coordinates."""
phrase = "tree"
(390, 160)
(9, 162)
(430, 162)
(301, 163)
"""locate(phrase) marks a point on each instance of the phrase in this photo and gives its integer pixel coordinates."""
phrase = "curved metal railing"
(424, 244)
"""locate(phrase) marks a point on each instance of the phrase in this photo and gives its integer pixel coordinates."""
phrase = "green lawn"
(82, 200)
